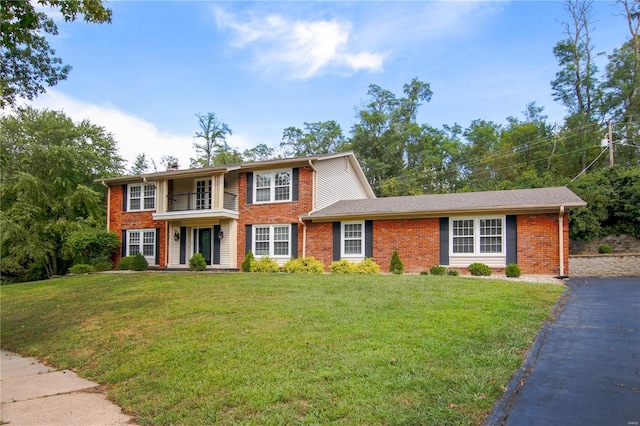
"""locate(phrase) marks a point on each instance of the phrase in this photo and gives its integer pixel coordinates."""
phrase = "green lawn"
(190, 348)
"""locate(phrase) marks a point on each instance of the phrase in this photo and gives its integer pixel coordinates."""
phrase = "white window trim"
(142, 187)
(150, 259)
(352, 256)
(271, 240)
(272, 187)
(476, 236)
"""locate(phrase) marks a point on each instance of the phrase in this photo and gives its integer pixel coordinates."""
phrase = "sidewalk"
(34, 394)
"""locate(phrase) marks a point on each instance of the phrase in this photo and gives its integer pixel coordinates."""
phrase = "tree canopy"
(27, 61)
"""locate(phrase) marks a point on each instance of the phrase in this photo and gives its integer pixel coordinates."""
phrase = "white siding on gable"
(335, 181)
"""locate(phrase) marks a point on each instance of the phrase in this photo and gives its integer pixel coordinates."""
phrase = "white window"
(272, 240)
(272, 186)
(352, 239)
(478, 235)
(142, 241)
(142, 197)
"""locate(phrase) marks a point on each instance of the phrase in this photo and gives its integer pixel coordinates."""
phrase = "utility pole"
(611, 162)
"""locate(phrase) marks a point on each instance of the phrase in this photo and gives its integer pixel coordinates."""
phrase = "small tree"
(396, 266)
(197, 262)
(139, 263)
(246, 263)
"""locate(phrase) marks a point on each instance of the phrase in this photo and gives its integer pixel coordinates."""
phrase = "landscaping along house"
(323, 207)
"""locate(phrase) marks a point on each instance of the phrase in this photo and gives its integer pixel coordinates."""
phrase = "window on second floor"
(272, 186)
(142, 197)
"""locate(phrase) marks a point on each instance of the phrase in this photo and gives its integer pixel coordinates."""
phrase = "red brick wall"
(538, 245)
(274, 213)
(120, 220)
(417, 242)
(320, 242)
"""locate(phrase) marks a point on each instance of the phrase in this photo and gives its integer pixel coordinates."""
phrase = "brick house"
(323, 206)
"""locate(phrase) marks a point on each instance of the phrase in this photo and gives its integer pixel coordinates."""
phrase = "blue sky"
(264, 66)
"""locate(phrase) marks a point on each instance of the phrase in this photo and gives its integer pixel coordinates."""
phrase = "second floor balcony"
(199, 205)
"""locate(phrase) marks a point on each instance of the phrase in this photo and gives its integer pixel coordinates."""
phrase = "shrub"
(424, 272)
(438, 270)
(479, 269)
(139, 263)
(512, 270)
(367, 266)
(305, 265)
(103, 266)
(91, 246)
(246, 263)
(197, 262)
(396, 266)
(81, 268)
(342, 267)
(604, 248)
(453, 273)
(265, 264)
(125, 263)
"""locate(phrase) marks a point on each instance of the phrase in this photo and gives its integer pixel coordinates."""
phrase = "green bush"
(125, 264)
(512, 270)
(424, 272)
(604, 248)
(367, 266)
(265, 264)
(452, 272)
(91, 246)
(305, 265)
(81, 268)
(479, 269)
(103, 266)
(246, 263)
(342, 266)
(139, 263)
(396, 266)
(438, 270)
(197, 262)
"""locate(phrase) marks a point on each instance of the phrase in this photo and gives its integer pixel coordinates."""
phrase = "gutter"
(108, 203)
(561, 239)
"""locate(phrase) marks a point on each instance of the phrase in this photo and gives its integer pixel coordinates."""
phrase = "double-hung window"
(271, 186)
(142, 241)
(477, 236)
(272, 240)
(142, 197)
(353, 239)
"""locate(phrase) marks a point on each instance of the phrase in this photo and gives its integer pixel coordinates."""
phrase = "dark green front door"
(203, 243)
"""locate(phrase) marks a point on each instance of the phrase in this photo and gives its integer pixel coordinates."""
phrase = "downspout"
(304, 238)
(561, 238)
(108, 203)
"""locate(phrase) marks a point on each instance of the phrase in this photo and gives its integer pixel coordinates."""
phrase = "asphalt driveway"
(584, 368)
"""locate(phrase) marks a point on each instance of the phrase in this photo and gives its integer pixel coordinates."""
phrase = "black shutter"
(512, 239)
(294, 240)
(444, 241)
(247, 239)
(368, 238)
(294, 184)
(124, 243)
(124, 198)
(183, 245)
(157, 246)
(216, 244)
(336, 240)
(249, 187)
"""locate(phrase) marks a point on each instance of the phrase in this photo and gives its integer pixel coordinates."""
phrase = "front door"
(203, 243)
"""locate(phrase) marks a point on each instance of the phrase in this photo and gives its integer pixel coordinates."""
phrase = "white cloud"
(300, 49)
(133, 134)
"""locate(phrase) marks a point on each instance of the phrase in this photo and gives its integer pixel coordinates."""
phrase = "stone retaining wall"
(622, 243)
(605, 265)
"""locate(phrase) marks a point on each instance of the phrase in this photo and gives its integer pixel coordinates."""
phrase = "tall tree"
(622, 88)
(169, 162)
(48, 165)
(259, 153)
(317, 138)
(27, 62)
(140, 165)
(213, 134)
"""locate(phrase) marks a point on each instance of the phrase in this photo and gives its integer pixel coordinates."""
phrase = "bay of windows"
(142, 197)
(272, 240)
(272, 186)
(477, 235)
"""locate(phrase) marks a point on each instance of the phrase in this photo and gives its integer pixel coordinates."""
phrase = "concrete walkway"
(34, 394)
(584, 368)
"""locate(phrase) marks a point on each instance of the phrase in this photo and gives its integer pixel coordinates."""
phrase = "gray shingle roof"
(540, 199)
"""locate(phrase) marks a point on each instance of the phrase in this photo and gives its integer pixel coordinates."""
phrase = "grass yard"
(186, 348)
